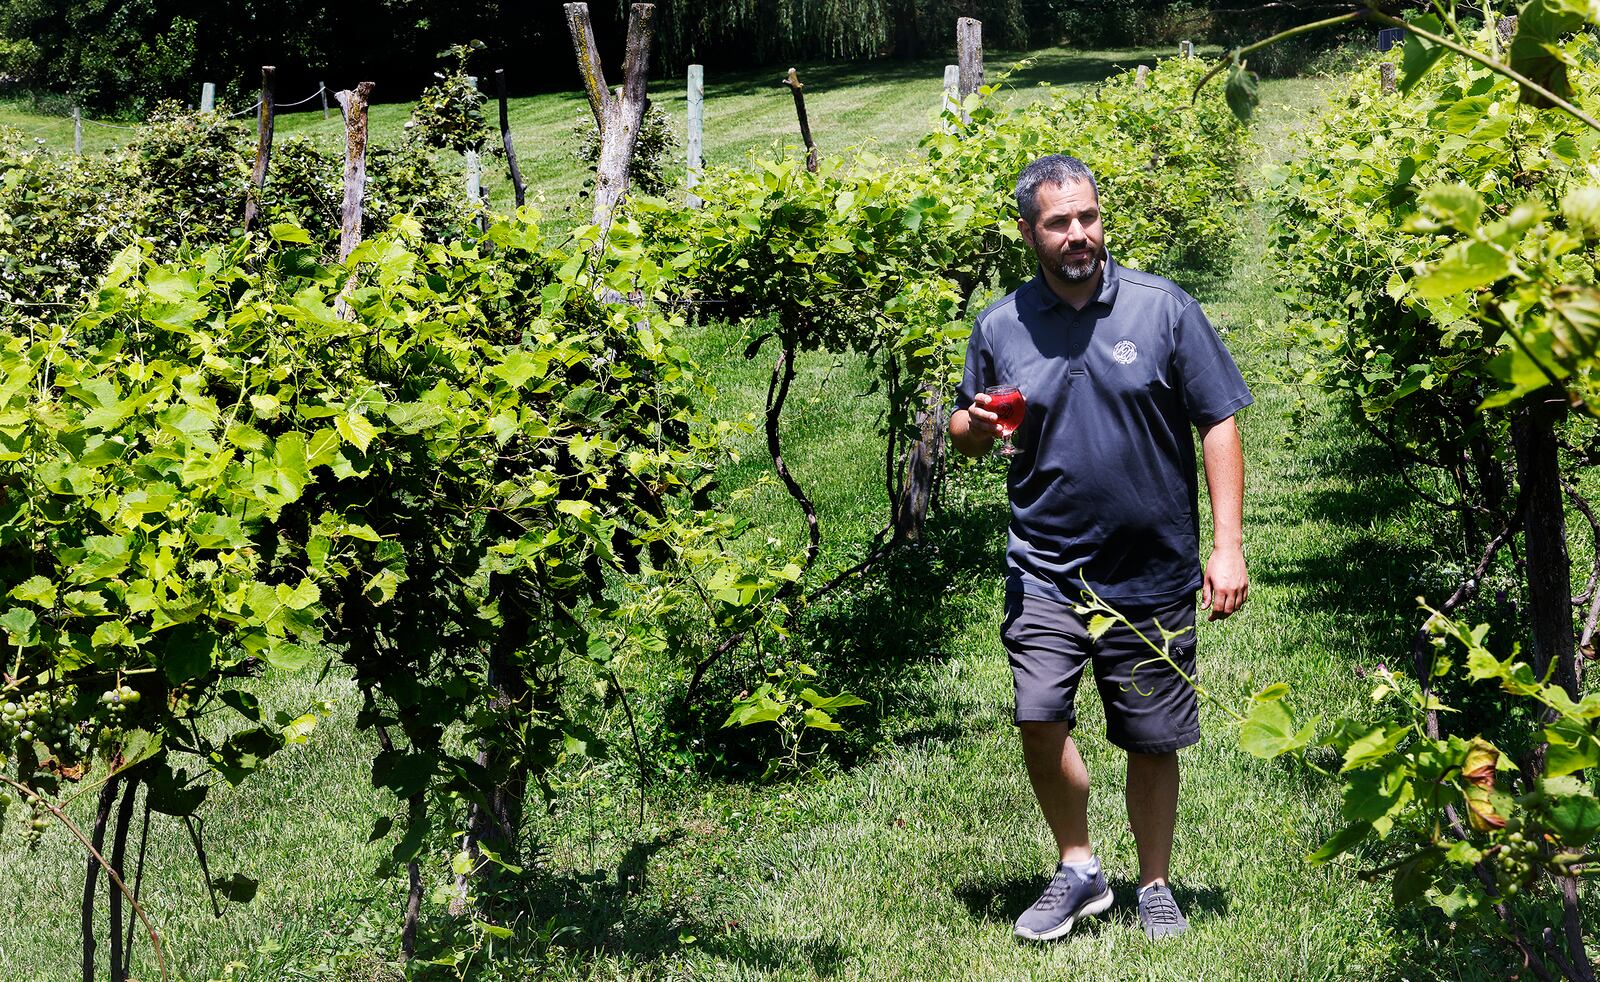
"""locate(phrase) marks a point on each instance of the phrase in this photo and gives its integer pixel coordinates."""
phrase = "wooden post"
(505, 138)
(923, 458)
(208, 97)
(1141, 77)
(474, 171)
(792, 80)
(969, 58)
(258, 177)
(322, 90)
(1386, 77)
(353, 103)
(589, 66)
(618, 118)
(951, 100)
(77, 131)
(696, 135)
(474, 174)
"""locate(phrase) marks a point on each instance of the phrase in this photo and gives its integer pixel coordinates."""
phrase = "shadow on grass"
(873, 636)
(1367, 579)
(577, 916)
(877, 633)
(1002, 900)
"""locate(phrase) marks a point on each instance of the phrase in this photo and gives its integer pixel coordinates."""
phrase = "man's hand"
(1227, 583)
(973, 430)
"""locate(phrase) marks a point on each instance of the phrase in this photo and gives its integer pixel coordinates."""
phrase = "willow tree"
(838, 29)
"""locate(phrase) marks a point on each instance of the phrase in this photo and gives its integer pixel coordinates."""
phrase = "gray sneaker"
(1158, 912)
(1069, 896)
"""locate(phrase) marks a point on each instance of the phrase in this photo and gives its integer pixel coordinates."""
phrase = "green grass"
(910, 853)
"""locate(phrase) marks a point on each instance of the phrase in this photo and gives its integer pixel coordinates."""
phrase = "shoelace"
(1060, 886)
(1159, 907)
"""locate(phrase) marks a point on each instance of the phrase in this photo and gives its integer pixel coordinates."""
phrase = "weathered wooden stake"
(792, 80)
(696, 133)
(322, 90)
(589, 67)
(950, 102)
(505, 138)
(474, 170)
(353, 103)
(1386, 77)
(1141, 77)
(969, 58)
(474, 174)
(923, 457)
(618, 117)
(77, 131)
(208, 97)
(258, 177)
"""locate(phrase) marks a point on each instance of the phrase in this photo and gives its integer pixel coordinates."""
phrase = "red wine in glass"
(1006, 402)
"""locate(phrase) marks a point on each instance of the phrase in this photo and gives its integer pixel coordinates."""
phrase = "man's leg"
(1061, 784)
(1152, 811)
(1045, 640)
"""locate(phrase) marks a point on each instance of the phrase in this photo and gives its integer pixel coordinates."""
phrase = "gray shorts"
(1149, 708)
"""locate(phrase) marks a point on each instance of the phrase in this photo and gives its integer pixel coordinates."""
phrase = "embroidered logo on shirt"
(1124, 352)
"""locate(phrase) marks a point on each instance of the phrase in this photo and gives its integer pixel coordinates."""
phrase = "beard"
(1080, 272)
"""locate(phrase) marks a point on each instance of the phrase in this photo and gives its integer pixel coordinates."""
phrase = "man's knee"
(1164, 758)
(1044, 732)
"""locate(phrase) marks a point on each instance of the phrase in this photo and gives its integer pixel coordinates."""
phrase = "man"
(1115, 365)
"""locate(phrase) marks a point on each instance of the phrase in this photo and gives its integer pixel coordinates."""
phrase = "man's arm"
(1227, 582)
(973, 430)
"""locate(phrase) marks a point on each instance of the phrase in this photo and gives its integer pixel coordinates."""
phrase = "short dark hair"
(1056, 169)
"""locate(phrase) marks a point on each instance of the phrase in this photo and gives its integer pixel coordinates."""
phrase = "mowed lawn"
(908, 856)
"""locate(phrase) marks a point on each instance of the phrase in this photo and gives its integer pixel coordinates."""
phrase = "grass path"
(910, 860)
(913, 863)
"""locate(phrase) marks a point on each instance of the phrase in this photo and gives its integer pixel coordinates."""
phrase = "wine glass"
(1006, 402)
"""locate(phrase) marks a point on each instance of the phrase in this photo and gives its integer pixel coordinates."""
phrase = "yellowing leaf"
(355, 428)
(1480, 763)
(299, 729)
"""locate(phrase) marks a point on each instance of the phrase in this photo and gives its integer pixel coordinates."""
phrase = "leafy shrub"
(448, 466)
(183, 180)
(1442, 241)
(449, 115)
(655, 155)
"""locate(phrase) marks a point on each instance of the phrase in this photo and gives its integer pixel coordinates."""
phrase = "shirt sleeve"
(979, 371)
(1207, 376)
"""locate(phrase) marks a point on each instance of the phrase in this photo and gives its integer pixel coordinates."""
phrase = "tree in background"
(768, 30)
(120, 57)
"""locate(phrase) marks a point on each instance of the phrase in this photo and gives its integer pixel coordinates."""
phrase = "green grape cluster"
(38, 821)
(117, 700)
(1517, 860)
(38, 718)
(115, 703)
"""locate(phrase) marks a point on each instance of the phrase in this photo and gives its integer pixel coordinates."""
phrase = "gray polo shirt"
(1104, 488)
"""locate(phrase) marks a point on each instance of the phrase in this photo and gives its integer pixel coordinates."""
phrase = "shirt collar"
(1044, 298)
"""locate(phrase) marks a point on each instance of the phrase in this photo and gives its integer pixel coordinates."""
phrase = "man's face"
(1068, 237)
